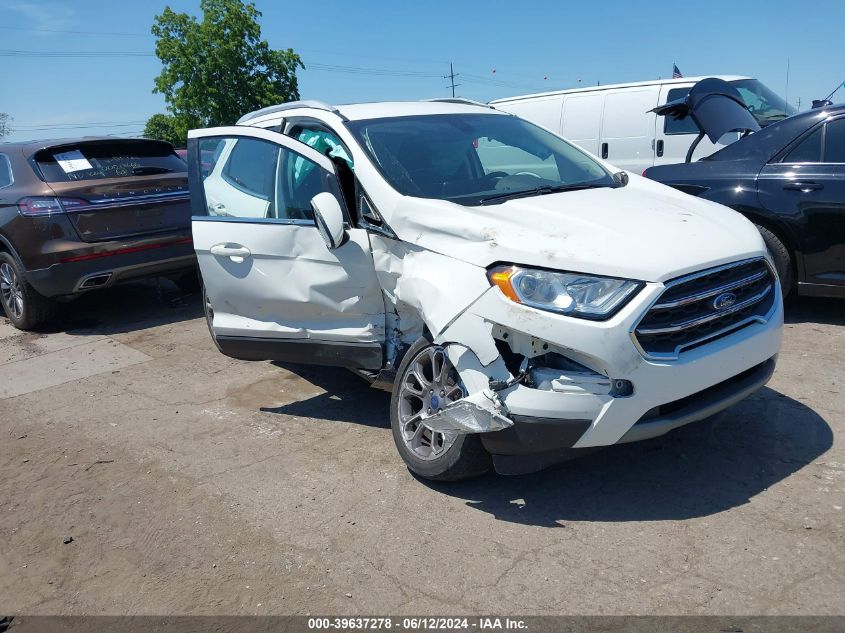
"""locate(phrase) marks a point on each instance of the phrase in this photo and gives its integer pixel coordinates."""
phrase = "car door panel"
(811, 197)
(275, 290)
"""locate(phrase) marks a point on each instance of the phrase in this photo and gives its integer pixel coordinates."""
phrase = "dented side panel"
(423, 288)
(291, 285)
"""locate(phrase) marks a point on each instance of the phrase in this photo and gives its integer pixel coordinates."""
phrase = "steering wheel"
(494, 176)
(528, 173)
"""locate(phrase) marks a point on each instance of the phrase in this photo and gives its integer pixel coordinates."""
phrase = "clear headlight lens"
(573, 294)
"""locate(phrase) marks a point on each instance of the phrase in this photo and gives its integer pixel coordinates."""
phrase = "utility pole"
(451, 76)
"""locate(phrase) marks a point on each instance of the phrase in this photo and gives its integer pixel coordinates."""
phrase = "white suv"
(521, 298)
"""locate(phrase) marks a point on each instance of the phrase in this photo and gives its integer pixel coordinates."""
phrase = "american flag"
(676, 74)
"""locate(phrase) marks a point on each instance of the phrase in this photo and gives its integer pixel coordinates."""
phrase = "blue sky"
(542, 45)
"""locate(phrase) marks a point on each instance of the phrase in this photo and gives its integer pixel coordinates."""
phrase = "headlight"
(573, 294)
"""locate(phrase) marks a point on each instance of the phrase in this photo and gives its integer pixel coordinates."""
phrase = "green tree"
(218, 69)
(5, 119)
(165, 127)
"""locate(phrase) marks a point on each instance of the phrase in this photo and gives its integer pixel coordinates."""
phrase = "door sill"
(305, 351)
(820, 290)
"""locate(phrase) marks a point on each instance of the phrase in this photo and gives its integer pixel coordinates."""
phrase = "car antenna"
(820, 103)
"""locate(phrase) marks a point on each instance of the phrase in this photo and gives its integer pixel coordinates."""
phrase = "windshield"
(766, 106)
(475, 158)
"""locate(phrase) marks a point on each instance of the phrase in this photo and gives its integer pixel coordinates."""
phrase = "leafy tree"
(5, 119)
(218, 69)
(166, 127)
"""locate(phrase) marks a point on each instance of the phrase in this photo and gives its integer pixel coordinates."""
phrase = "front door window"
(255, 178)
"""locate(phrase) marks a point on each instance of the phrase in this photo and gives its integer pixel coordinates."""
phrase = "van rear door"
(115, 189)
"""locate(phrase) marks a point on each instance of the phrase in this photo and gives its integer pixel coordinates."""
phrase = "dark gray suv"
(82, 214)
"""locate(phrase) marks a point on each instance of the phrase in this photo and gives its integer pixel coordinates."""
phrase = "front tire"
(24, 307)
(425, 381)
(782, 258)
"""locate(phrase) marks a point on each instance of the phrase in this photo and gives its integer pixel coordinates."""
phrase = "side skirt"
(806, 289)
(306, 351)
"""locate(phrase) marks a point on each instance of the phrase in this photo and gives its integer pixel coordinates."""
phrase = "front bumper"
(534, 443)
(111, 263)
(666, 393)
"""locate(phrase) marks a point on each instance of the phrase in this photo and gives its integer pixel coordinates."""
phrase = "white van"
(616, 121)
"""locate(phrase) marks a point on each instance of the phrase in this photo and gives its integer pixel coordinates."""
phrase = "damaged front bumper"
(611, 394)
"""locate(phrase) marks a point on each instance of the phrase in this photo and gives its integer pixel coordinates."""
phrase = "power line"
(315, 66)
(22, 28)
(359, 70)
(72, 54)
(489, 81)
(74, 126)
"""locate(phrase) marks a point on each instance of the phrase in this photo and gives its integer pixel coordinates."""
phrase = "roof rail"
(290, 105)
(462, 101)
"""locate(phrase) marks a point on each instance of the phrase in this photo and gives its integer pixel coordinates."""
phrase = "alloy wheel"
(429, 383)
(11, 291)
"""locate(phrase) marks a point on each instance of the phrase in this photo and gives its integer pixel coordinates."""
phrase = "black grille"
(701, 307)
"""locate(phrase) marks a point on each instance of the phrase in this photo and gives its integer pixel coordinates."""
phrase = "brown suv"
(82, 214)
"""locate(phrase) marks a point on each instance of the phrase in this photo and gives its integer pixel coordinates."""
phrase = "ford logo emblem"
(724, 301)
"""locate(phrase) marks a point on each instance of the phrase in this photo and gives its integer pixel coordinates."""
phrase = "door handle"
(660, 148)
(604, 150)
(236, 252)
(803, 186)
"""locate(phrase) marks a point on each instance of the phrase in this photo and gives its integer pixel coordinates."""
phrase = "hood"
(644, 231)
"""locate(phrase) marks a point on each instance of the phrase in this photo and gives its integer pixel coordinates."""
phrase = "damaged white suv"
(523, 299)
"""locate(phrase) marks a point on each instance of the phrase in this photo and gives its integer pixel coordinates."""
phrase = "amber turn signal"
(501, 278)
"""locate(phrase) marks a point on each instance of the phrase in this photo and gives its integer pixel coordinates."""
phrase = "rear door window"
(807, 151)
(107, 159)
(5, 171)
(834, 141)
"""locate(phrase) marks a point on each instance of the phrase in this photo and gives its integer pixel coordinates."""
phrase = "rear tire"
(782, 258)
(24, 307)
(427, 454)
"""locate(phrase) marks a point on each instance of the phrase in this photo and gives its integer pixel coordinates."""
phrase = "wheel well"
(6, 247)
(779, 233)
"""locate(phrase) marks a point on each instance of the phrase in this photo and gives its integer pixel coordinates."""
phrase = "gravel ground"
(142, 472)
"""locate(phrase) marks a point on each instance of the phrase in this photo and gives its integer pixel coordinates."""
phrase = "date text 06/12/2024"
(416, 623)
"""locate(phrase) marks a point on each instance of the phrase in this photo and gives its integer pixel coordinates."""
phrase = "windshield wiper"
(766, 120)
(539, 191)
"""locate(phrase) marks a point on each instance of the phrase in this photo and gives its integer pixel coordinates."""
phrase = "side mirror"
(328, 218)
(620, 178)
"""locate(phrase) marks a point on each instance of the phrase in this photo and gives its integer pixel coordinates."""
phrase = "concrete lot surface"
(193, 483)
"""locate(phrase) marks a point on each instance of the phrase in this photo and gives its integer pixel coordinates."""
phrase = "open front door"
(274, 291)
